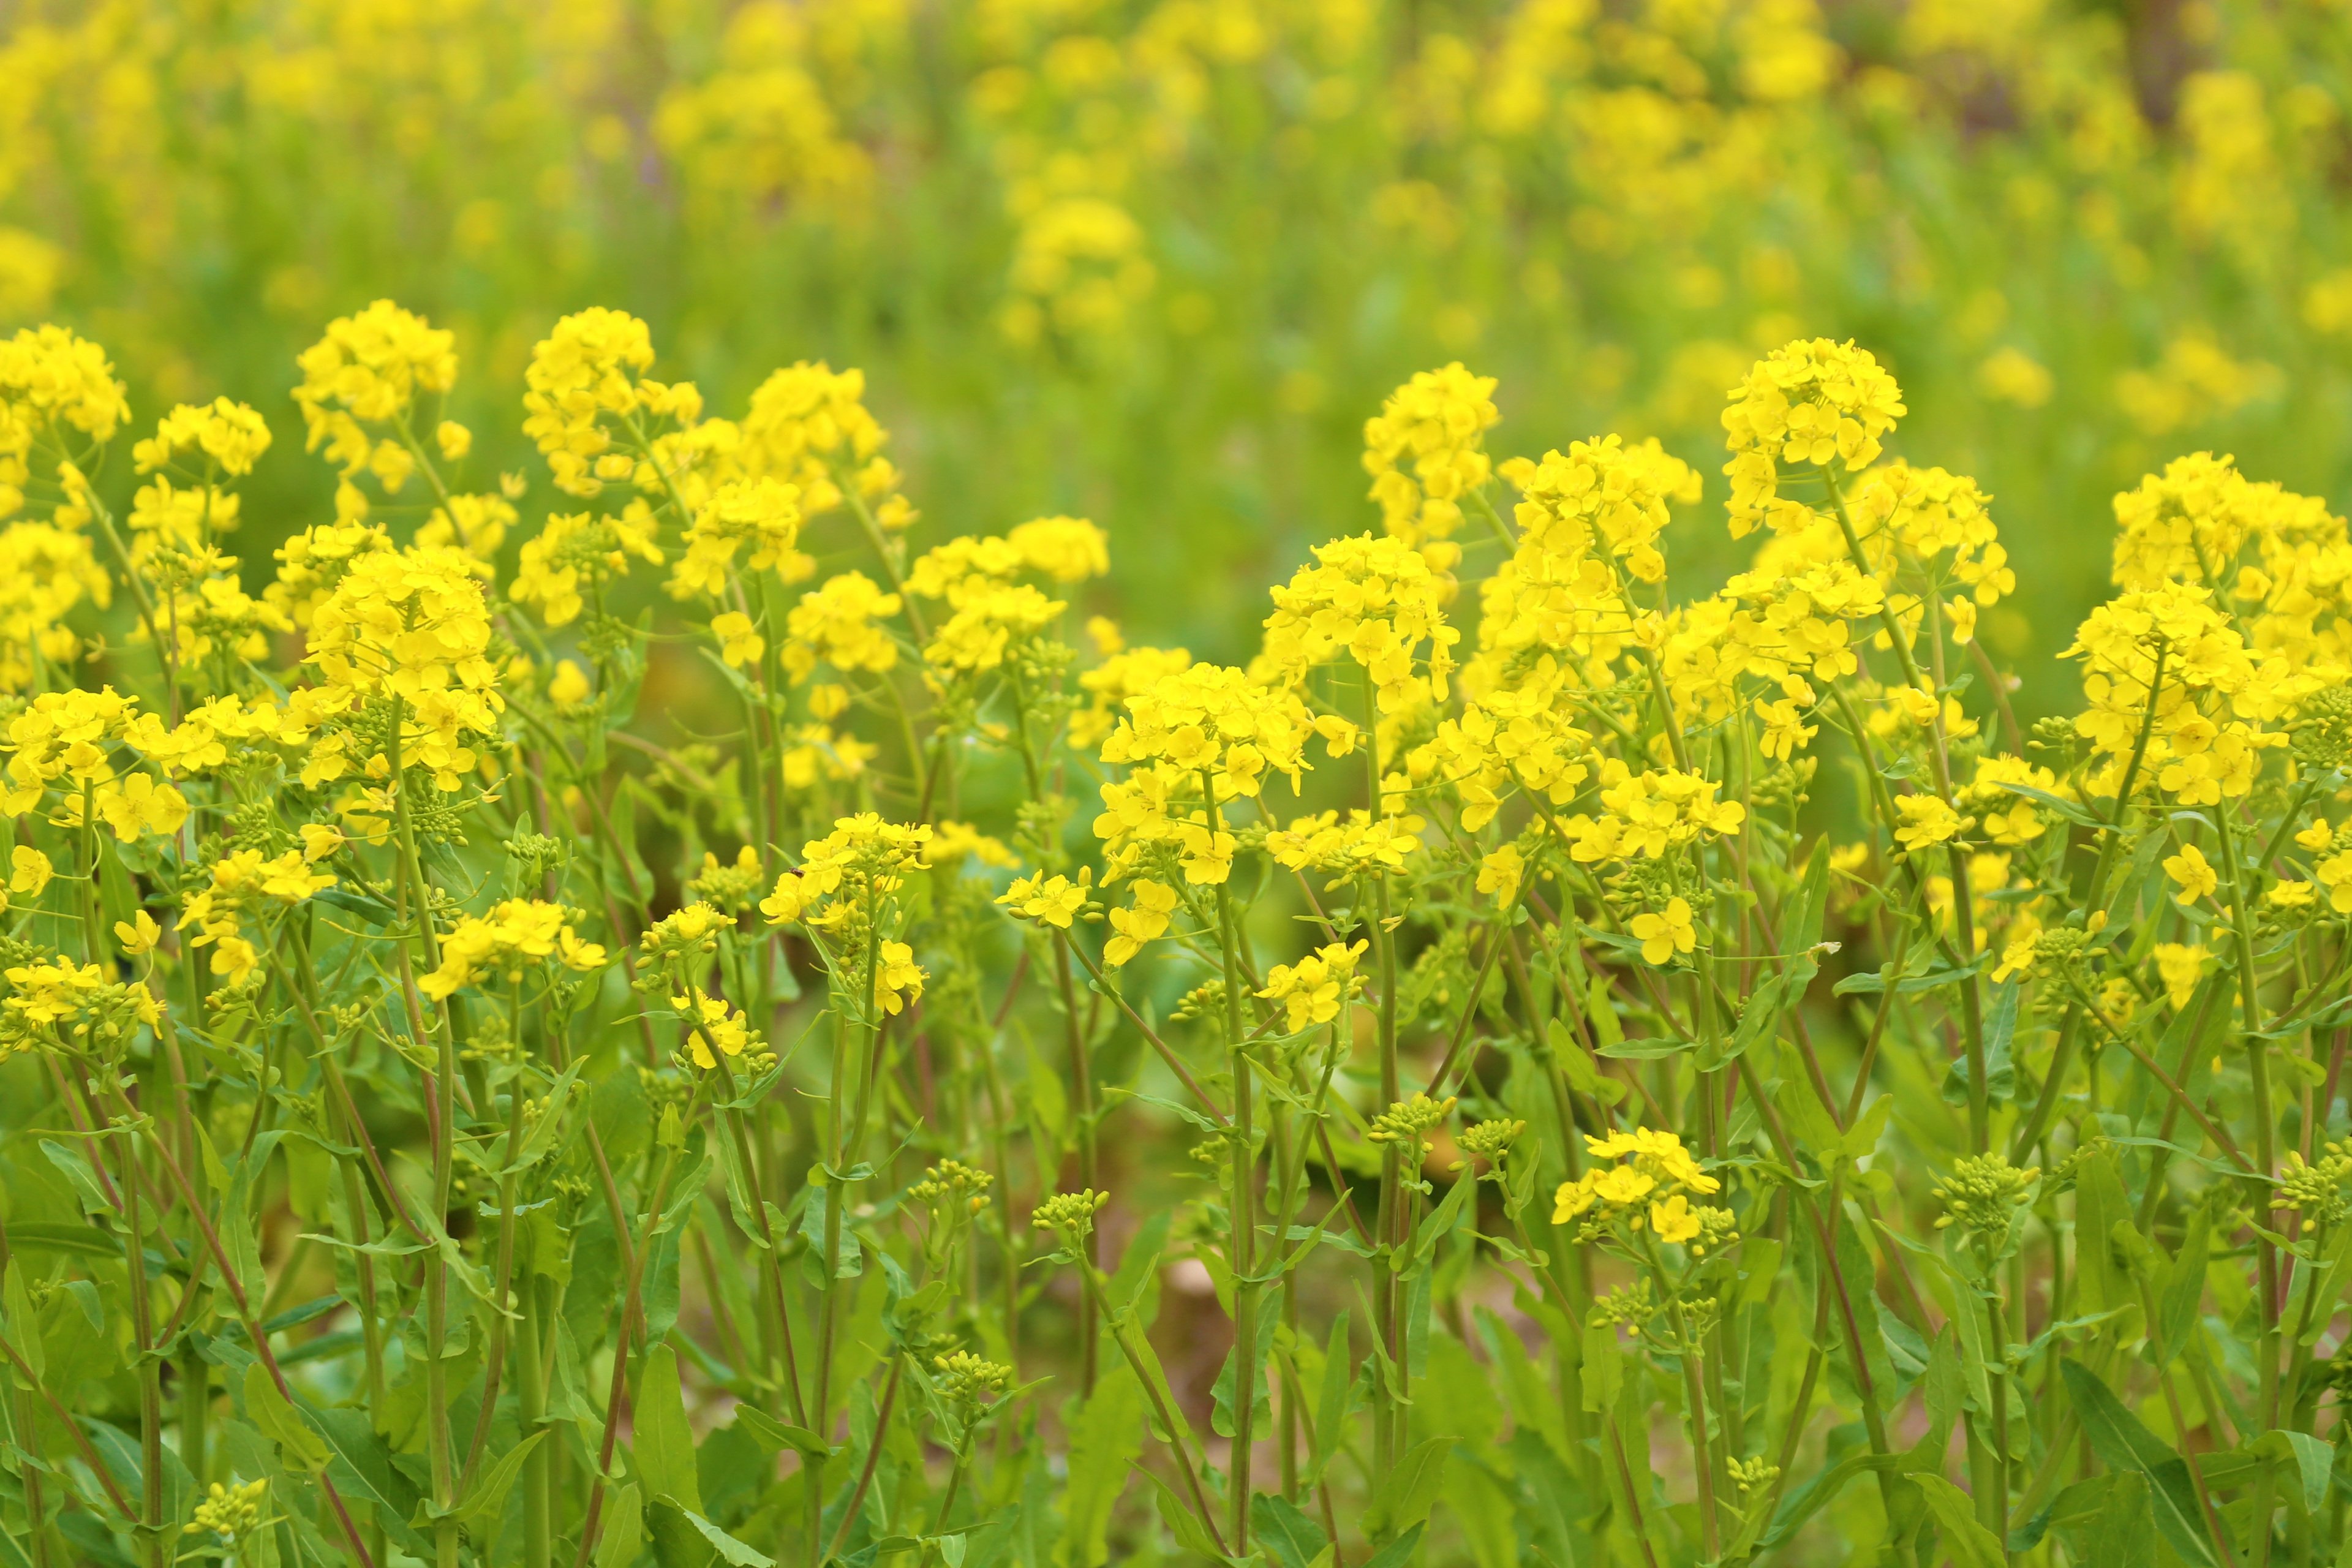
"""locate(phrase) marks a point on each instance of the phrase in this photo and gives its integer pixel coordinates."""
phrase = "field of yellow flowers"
(1514, 782)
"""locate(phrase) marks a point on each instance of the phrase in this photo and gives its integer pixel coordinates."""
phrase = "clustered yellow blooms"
(244, 883)
(1641, 1168)
(1424, 452)
(1313, 990)
(411, 627)
(1650, 813)
(990, 614)
(1192, 740)
(516, 933)
(1376, 602)
(1814, 402)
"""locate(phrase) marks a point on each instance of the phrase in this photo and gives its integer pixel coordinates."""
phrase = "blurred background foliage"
(1155, 261)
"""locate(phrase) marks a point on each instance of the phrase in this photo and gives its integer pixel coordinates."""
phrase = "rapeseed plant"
(459, 1112)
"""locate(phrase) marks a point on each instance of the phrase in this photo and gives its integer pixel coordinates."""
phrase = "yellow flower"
(1927, 820)
(1664, 935)
(2178, 965)
(138, 805)
(897, 980)
(2290, 894)
(1312, 990)
(1053, 900)
(1145, 921)
(31, 871)
(1500, 871)
(1673, 1220)
(739, 642)
(138, 934)
(2197, 879)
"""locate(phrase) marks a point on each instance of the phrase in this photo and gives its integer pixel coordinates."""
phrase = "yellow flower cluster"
(52, 383)
(1357, 845)
(244, 882)
(1424, 452)
(845, 875)
(843, 624)
(515, 933)
(368, 370)
(575, 555)
(808, 425)
(760, 517)
(1313, 990)
(411, 627)
(1205, 727)
(588, 370)
(1814, 402)
(1647, 814)
(1373, 600)
(1632, 1169)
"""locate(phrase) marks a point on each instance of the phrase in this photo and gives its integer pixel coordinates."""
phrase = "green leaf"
(1105, 1440)
(1331, 1402)
(1644, 1051)
(75, 1167)
(2100, 1203)
(1861, 1139)
(2123, 1445)
(664, 1444)
(1601, 1009)
(2183, 1287)
(1183, 1522)
(1971, 1545)
(1437, 1225)
(551, 1124)
(776, 1436)
(729, 1549)
(2313, 1459)
(24, 1325)
(1804, 931)
(363, 1471)
(488, 1495)
(1289, 1537)
(1582, 1075)
(624, 1531)
(2125, 1530)
(1603, 1373)
(1411, 1489)
(2065, 808)
(78, 1239)
(1761, 1017)
(303, 1449)
(1396, 1552)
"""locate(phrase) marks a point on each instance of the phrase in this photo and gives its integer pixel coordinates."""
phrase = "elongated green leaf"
(1396, 1552)
(1412, 1487)
(2313, 1459)
(1105, 1441)
(488, 1495)
(1971, 1545)
(776, 1436)
(664, 1444)
(731, 1550)
(2184, 1286)
(1331, 1401)
(303, 1449)
(2125, 1530)
(1603, 1367)
(1183, 1522)
(624, 1533)
(1288, 1535)
(2123, 1444)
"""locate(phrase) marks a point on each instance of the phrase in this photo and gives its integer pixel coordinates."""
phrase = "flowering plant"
(455, 1114)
